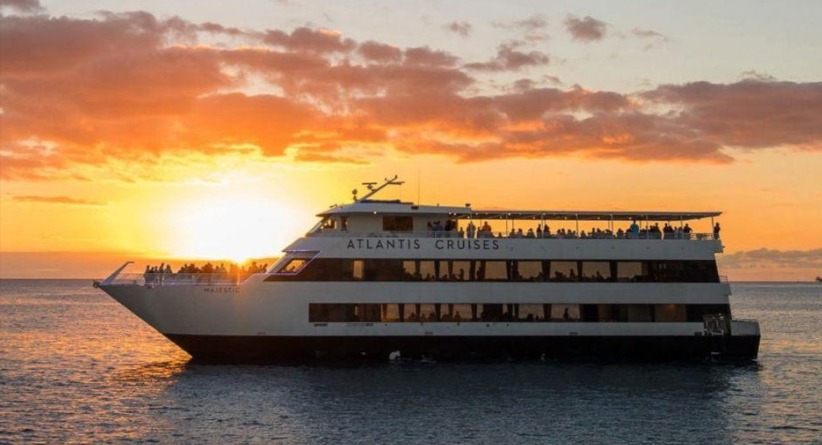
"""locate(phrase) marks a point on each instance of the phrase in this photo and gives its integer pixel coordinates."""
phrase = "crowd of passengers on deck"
(163, 272)
(634, 231)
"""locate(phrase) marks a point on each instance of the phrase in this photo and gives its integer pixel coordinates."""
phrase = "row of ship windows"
(341, 269)
(511, 312)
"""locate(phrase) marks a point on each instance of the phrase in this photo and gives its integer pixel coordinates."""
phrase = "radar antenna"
(373, 190)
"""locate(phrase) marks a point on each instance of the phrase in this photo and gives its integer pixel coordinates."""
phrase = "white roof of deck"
(584, 215)
(397, 207)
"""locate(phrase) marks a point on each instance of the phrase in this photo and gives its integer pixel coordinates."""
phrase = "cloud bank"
(123, 88)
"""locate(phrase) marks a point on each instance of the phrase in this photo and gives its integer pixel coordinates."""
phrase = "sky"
(189, 130)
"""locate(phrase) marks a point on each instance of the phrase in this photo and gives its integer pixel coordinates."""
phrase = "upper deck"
(370, 218)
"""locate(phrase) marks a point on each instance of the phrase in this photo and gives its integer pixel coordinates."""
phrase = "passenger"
(716, 231)
(530, 233)
(472, 229)
(461, 233)
(539, 231)
(668, 231)
(457, 316)
(486, 230)
(512, 233)
(520, 234)
(686, 231)
(566, 315)
(634, 230)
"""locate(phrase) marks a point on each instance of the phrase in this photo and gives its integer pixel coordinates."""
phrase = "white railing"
(177, 279)
(485, 235)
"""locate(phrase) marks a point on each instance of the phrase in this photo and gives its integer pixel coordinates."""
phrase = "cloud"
(533, 23)
(380, 52)
(587, 29)
(131, 90)
(56, 200)
(769, 264)
(307, 39)
(748, 114)
(532, 27)
(810, 259)
(462, 29)
(24, 6)
(510, 59)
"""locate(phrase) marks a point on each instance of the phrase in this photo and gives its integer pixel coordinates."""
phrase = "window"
(530, 312)
(669, 312)
(529, 270)
(564, 271)
(629, 270)
(565, 312)
(391, 223)
(596, 271)
(357, 271)
(510, 312)
(492, 271)
(387, 269)
(294, 266)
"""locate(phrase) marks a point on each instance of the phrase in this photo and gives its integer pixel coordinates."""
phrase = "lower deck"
(330, 349)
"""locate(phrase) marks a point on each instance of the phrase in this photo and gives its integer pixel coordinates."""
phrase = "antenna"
(419, 182)
(373, 190)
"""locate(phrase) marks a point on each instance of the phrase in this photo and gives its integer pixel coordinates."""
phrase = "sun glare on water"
(232, 229)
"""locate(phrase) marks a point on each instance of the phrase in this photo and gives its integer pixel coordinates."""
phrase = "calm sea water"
(75, 367)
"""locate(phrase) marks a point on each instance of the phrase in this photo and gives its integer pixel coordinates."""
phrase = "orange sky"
(144, 134)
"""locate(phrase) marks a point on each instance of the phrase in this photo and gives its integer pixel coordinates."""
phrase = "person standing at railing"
(472, 229)
(716, 231)
(634, 230)
(686, 231)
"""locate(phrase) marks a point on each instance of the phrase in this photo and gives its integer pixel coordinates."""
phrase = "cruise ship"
(385, 279)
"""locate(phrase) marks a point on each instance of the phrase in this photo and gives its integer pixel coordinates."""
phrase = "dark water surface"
(75, 367)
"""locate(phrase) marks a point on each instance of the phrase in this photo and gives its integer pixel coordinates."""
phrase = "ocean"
(76, 367)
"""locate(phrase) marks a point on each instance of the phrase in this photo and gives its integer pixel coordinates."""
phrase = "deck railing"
(499, 235)
(177, 279)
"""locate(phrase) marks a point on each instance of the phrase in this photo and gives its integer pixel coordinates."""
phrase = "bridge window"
(293, 266)
(391, 223)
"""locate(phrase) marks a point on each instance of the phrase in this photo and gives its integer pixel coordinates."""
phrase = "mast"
(373, 190)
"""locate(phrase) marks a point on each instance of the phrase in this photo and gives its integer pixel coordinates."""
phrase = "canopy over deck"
(573, 215)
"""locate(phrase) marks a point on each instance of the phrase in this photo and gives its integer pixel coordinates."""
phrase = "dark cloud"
(587, 29)
(510, 59)
(462, 29)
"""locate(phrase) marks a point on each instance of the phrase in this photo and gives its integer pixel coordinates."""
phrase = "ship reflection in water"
(77, 367)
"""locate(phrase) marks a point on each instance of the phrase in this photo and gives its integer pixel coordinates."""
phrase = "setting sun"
(231, 228)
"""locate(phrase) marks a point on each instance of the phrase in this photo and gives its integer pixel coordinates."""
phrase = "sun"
(234, 229)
